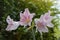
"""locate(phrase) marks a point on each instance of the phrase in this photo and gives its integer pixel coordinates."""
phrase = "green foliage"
(57, 27)
(13, 8)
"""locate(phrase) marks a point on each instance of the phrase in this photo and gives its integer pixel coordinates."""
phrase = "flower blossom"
(43, 22)
(26, 17)
(12, 25)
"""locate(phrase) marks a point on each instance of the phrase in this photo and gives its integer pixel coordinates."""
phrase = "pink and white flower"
(43, 22)
(41, 25)
(26, 17)
(12, 25)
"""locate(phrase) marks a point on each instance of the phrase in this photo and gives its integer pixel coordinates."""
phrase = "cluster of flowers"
(26, 19)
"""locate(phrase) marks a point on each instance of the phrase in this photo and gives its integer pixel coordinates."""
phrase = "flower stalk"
(41, 36)
(33, 34)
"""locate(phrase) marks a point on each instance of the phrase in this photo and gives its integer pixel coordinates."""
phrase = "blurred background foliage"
(39, 7)
(57, 26)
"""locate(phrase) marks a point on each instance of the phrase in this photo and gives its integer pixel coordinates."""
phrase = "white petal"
(50, 25)
(16, 24)
(43, 29)
(9, 20)
(21, 23)
(21, 14)
(41, 18)
(32, 15)
(8, 28)
(12, 27)
(36, 20)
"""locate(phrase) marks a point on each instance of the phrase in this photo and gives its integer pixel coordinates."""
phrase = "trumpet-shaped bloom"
(43, 21)
(12, 25)
(26, 17)
(41, 25)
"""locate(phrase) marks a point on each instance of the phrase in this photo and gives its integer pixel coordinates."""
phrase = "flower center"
(39, 24)
(27, 20)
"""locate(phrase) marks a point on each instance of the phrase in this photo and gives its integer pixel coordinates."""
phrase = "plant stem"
(33, 34)
(31, 27)
(41, 36)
